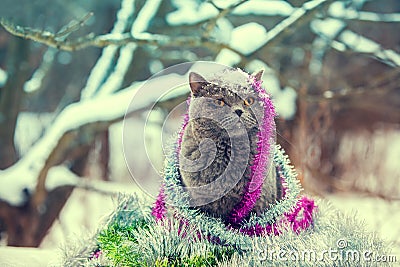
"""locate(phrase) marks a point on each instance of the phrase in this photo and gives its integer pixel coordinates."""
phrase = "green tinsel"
(132, 237)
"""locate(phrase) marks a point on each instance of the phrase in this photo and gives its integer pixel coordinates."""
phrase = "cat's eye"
(219, 102)
(249, 101)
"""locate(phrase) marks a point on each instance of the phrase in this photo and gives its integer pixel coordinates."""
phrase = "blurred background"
(332, 68)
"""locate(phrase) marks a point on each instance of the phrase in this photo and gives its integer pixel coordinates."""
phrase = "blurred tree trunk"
(10, 98)
(26, 226)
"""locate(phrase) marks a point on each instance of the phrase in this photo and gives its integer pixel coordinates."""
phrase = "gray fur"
(219, 144)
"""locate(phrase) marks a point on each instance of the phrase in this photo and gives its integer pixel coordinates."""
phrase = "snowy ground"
(85, 210)
(379, 215)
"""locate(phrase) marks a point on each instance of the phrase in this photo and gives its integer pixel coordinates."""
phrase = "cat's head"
(227, 99)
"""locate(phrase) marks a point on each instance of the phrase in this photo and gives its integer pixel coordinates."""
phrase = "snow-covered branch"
(100, 69)
(24, 174)
(342, 40)
(37, 77)
(61, 176)
(298, 17)
(139, 26)
(338, 10)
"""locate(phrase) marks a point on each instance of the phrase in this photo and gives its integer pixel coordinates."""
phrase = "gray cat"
(219, 144)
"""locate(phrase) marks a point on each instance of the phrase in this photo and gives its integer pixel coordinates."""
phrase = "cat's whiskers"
(229, 121)
(248, 120)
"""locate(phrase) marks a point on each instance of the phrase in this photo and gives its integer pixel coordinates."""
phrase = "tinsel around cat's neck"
(271, 220)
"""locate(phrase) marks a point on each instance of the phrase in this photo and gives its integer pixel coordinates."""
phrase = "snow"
(313, 4)
(364, 45)
(285, 103)
(340, 11)
(3, 77)
(227, 57)
(13, 183)
(328, 27)
(165, 86)
(144, 17)
(189, 13)
(267, 8)
(248, 37)
(61, 176)
(36, 80)
(358, 42)
(141, 23)
(222, 33)
(242, 39)
(23, 174)
(22, 257)
(103, 64)
(326, 30)
(153, 139)
(116, 78)
(380, 216)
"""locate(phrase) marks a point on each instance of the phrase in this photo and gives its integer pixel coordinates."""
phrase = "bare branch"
(386, 82)
(90, 40)
(222, 13)
(73, 26)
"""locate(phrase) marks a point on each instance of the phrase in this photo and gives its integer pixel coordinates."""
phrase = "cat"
(220, 141)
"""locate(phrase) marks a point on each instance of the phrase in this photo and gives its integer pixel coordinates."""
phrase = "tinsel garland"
(261, 160)
(284, 212)
(279, 216)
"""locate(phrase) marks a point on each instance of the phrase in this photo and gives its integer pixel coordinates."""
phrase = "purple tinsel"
(261, 159)
(299, 218)
(159, 210)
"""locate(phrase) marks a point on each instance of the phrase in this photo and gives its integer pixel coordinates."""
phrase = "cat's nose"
(239, 112)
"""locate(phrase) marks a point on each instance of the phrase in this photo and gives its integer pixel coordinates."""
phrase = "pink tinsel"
(159, 210)
(261, 160)
(299, 218)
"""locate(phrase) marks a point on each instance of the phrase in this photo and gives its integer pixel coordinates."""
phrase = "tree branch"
(222, 13)
(299, 17)
(50, 39)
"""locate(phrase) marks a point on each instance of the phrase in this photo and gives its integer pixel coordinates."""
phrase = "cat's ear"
(258, 75)
(196, 81)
